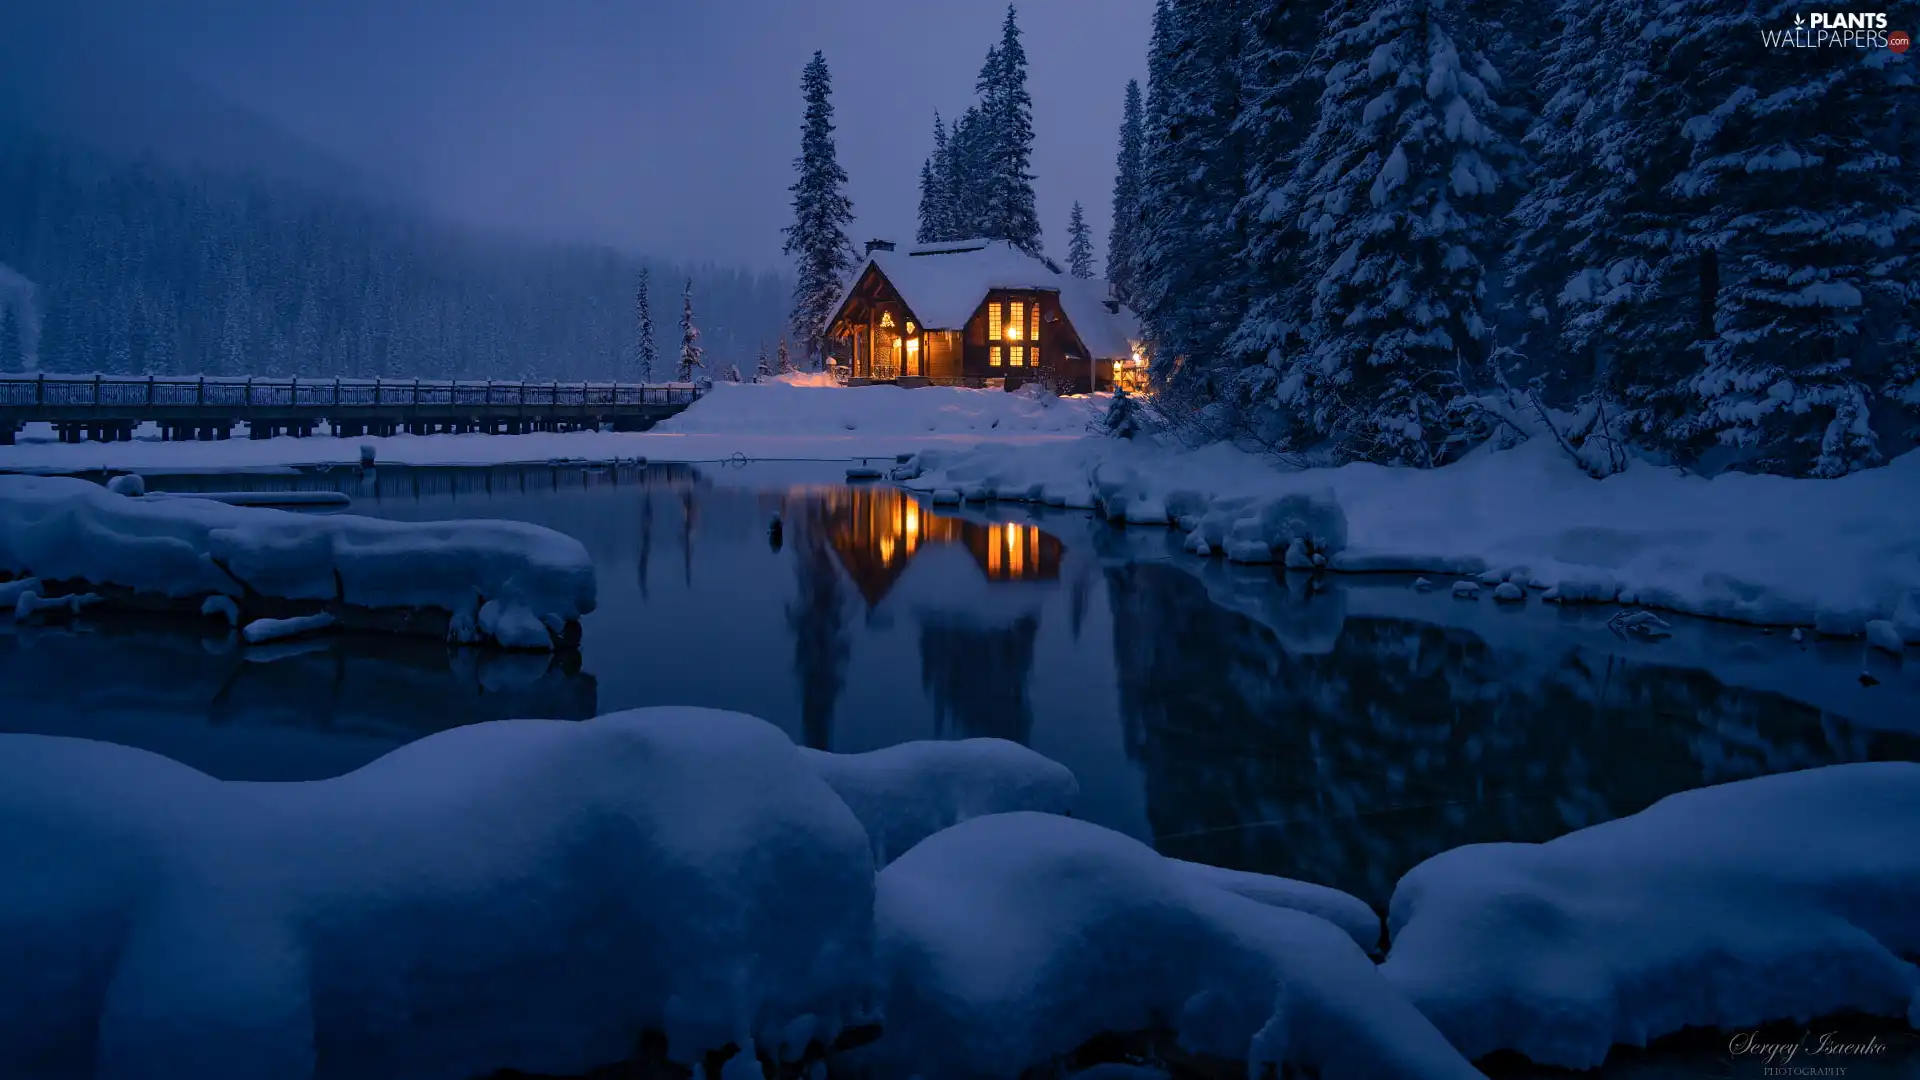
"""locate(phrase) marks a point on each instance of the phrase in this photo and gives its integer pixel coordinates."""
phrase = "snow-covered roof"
(944, 284)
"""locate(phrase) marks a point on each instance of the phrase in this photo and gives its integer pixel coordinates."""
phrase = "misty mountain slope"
(143, 267)
(92, 89)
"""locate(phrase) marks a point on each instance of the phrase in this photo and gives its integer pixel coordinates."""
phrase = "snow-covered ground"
(759, 421)
(1827, 554)
(509, 582)
(1784, 897)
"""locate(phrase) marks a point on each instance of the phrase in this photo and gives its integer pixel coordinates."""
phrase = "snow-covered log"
(1785, 897)
(522, 894)
(535, 581)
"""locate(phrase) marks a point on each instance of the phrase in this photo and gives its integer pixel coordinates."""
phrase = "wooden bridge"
(107, 408)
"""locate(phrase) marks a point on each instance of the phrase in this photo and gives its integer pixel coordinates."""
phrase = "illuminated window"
(1033, 325)
(1016, 356)
(993, 322)
(1016, 317)
(909, 326)
(993, 356)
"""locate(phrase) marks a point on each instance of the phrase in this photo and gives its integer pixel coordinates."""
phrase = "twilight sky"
(660, 125)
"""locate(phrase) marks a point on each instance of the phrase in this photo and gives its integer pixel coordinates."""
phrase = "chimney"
(1112, 306)
(879, 245)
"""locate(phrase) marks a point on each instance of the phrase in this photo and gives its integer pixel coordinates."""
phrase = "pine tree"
(936, 190)
(817, 239)
(692, 356)
(783, 358)
(732, 373)
(1007, 169)
(1126, 195)
(1280, 104)
(763, 370)
(1185, 281)
(1803, 198)
(1394, 181)
(644, 352)
(12, 357)
(1079, 243)
(969, 148)
(1123, 415)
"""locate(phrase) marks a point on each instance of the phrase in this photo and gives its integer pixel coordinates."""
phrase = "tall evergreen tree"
(1006, 171)
(1800, 191)
(969, 149)
(12, 356)
(1280, 103)
(817, 240)
(1079, 243)
(763, 370)
(1394, 185)
(645, 352)
(1126, 195)
(936, 190)
(783, 357)
(1185, 282)
(692, 356)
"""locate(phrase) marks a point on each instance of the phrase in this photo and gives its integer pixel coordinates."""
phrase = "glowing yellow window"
(993, 322)
(1016, 318)
(1016, 356)
(993, 356)
(1033, 325)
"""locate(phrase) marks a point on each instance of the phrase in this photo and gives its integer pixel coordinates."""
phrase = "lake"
(1335, 729)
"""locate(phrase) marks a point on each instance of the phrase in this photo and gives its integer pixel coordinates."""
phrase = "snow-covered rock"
(903, 794)
(1508, 592)
(523, 894)
(128, 484)
(221, 607)
(70, 530)
(1882, 635)
(1422, 585)
(1466, 590)
(1009, 940)
(11, 591)
(1344, 910)
(30, 603)
(260, 631)
(1786, 897)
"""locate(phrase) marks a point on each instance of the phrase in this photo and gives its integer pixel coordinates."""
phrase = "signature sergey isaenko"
(1828, 1043)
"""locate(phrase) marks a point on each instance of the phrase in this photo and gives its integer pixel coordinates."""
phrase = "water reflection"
(1350, 764)
(1266, 721)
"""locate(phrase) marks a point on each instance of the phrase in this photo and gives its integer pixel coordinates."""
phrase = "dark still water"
(1337, 730)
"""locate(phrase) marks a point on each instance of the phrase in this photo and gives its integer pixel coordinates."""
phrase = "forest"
(142, 268)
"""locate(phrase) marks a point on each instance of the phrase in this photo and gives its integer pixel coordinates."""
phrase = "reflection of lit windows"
(1016, 550)
(993, 555)
(1016, 356)
(993, 356)
(993, 322)
(886, 548)
(1016, 318)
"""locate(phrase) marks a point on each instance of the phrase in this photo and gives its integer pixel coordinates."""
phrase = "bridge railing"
(125, 391)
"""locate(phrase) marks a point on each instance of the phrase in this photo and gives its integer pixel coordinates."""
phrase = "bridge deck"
(108, 407)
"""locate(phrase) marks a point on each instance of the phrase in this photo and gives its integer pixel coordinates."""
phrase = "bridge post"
(149, 392)
(96, 390)
(200, 392)
(40, 389)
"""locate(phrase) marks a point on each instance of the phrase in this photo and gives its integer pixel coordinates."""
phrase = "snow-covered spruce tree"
(1126, 195)
(1185, 279)
(817, 239)
(783, 358)
(1799, 188)
(1123, 415)
(1393, 185)
(1280, 101)
(732, 373)
(969, 147)
(1079, 243)
(1006, 168)
(763, 369)
(645, 352)
(936, 215)
(1594, 258)
(692, 356)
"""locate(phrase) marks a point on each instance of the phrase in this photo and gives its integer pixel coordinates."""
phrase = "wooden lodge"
(979, 313)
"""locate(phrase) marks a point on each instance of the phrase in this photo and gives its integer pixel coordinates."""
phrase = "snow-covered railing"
(93, 391)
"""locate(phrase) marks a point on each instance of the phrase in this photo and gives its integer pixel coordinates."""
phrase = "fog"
(663, 127)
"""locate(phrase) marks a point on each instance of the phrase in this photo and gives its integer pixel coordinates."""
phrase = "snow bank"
(1786, 897)
(533, 579)
(1009, 940)
(784, 409)
(906, 793)
(1829, 554)
(519, 894)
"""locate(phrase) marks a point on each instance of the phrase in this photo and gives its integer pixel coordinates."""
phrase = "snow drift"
(1010, 940)
(1833, 555)
(906, 793)
(517, 894)
(1784, 897)
(508, 582)
(784, 409)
